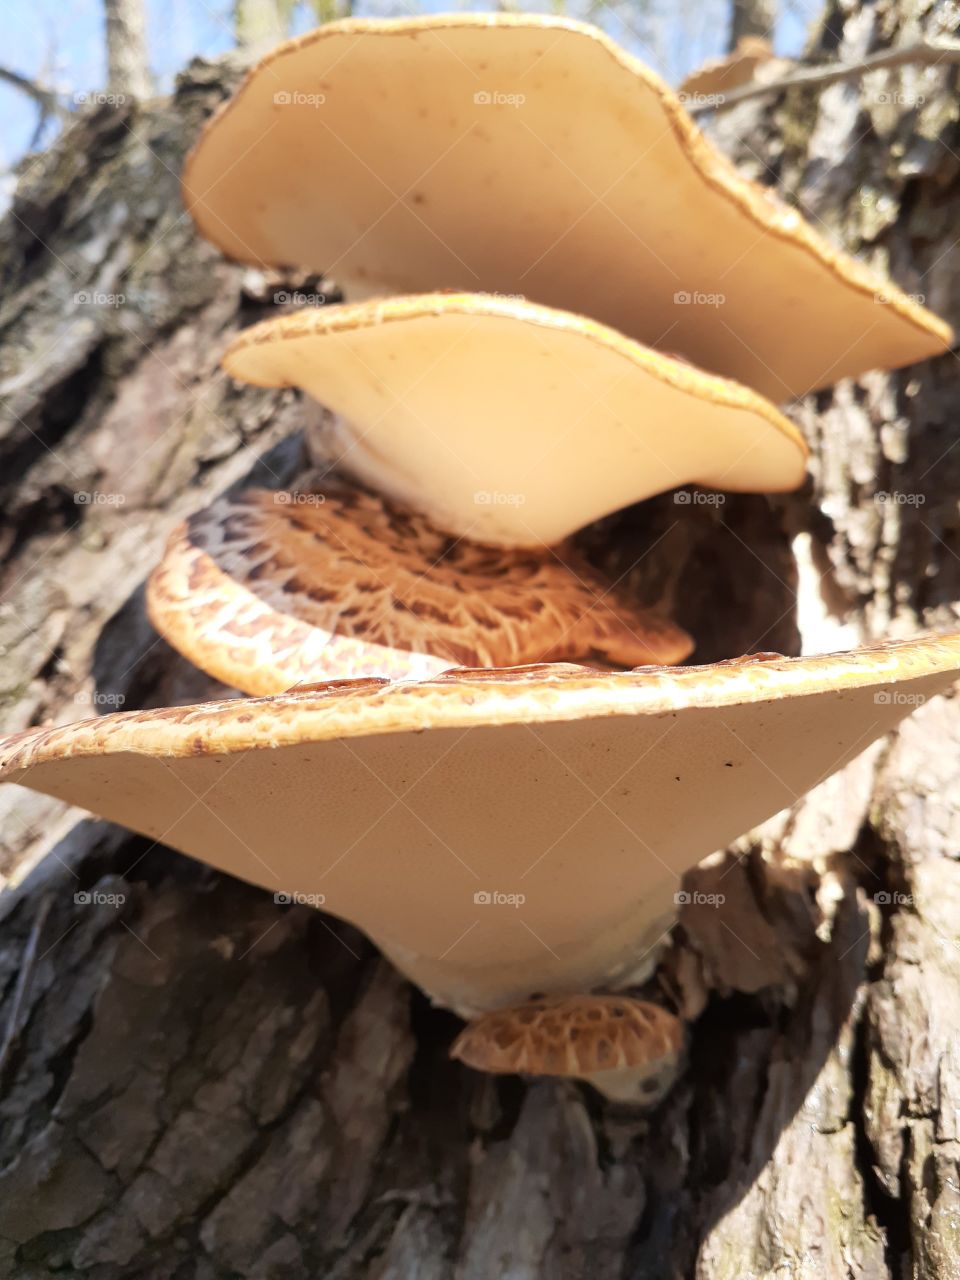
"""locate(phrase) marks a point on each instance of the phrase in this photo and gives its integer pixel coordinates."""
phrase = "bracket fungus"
(264, 592)
(513, 423)
(627, 1049)
(500, 834)
(720, 76)
(522, 152)
(511, 836)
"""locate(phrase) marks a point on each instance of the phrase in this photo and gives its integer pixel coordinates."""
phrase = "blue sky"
(62, 43)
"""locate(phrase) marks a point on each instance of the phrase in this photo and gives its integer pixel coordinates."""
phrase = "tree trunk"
(258, 24)
(751, 18)
(128, 65)
(199, 1083)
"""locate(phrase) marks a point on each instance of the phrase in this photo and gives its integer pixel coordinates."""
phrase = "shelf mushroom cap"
(523, 153)
(511, 423)
(267, 590)
(496, 833)
(720, 76)
(624, 1047)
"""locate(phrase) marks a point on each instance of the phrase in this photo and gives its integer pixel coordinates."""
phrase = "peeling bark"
(202, 1083)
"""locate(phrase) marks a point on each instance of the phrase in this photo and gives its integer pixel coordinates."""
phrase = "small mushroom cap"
(511, 423)
(524, 153)
(268, 590)
(722, 75)
(571, 1036)
(425, 812)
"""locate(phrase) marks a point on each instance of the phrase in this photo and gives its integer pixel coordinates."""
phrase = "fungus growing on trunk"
(268, 590)
(501, 835)
(524, 153)
(511, 423)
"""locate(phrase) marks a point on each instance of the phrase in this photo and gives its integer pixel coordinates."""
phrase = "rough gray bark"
(128, 64)
(200, 1083)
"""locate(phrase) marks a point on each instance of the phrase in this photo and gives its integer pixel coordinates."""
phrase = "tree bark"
(128, 64)
(258, 24)
(751, 18)
(199, 1083)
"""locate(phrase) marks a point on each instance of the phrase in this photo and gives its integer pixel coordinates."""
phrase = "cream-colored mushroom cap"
(497, 833)
(267, 590)
(524, 154)
(511, 423)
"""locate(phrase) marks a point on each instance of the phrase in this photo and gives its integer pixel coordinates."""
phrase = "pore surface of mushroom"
(511, 423)
(496, 833)
(267, 590)
(524, 153)
(628, 1049)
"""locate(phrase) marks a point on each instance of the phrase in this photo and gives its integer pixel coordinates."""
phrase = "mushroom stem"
(636, 1086)
(616, 953)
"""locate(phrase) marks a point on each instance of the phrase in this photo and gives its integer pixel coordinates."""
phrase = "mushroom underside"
(515, 424)
(495, 832)
(679, 241)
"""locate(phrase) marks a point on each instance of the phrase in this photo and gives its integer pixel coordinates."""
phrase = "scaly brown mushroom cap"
(511, 423)
(268, 590)
(496, 833)
(520, 153)
(570, 1036)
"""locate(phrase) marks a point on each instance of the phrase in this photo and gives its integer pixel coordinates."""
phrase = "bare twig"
(923, 53)
(46, 99)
